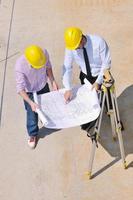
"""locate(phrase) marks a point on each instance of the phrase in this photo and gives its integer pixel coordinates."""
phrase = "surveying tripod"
(108, 98)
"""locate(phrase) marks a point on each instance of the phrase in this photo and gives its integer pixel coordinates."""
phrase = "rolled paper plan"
(39, 112)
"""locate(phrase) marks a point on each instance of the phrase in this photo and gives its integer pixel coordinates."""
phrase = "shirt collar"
(86, 41)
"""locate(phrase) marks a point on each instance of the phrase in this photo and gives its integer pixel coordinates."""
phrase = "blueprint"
(55, 113)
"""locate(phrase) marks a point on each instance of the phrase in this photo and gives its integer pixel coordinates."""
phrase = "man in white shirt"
(90, 52)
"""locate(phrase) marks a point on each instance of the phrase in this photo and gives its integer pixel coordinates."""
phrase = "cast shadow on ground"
(43, 132)
(105, 167)
(125, 104)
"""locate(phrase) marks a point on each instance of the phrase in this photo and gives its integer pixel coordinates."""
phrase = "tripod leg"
(122, 148)
(92, 154)
(118, 127)
(107, 101)
(97, 132)
(117, 110)
(111, 113)
(113, 125)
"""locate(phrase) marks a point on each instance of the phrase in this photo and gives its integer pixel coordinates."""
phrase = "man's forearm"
(99, 79)
(24, 95)
(67, 78)
(50, 75)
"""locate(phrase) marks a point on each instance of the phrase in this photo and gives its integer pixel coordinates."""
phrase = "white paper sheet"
(55, 113)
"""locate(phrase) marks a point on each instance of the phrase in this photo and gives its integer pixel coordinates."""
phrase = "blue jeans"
(32, 117)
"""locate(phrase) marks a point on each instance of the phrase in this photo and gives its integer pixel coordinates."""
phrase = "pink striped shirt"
(29, 78)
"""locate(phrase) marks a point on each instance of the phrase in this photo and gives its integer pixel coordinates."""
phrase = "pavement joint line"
(9, 57)
(5, 66)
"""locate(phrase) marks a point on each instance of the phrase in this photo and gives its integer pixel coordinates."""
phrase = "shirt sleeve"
(105, 58)
(67, 70)
(19, 76)
(20, 81)
(48, 62)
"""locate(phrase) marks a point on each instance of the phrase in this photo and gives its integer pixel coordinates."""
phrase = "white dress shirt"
(99, 58)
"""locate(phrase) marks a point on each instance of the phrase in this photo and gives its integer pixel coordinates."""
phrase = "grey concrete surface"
(55, 169)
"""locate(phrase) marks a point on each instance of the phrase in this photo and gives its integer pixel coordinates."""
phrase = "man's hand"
(34, 106)
(55, 86)
(68, 96)
(96, 86)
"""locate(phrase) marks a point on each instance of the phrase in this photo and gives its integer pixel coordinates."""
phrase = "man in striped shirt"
(32, 71)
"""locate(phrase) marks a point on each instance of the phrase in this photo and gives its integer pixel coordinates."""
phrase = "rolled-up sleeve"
(105, 59)
(19, 76)
(48, 63)
(20, 81)
(67, 70)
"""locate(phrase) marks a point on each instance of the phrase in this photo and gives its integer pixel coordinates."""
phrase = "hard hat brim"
(39, 66)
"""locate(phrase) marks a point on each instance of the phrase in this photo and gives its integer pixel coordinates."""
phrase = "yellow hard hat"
(35, 56)
(72, 37)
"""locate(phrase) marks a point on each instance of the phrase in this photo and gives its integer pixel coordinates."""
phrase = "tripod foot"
(88, 174)
(125, 165)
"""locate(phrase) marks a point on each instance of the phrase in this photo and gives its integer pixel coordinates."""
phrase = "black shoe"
(88, 126)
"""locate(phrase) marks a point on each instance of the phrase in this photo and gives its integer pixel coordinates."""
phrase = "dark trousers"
(32, 117)
(91, 79)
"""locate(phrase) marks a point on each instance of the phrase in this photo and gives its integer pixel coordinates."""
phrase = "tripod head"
(108, 79)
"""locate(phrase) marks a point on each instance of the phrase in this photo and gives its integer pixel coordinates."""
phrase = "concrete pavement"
(55, 169)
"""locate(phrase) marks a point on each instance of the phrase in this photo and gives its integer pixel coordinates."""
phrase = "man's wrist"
(52, 80)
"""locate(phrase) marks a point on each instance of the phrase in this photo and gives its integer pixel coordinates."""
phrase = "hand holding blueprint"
(55, 113)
